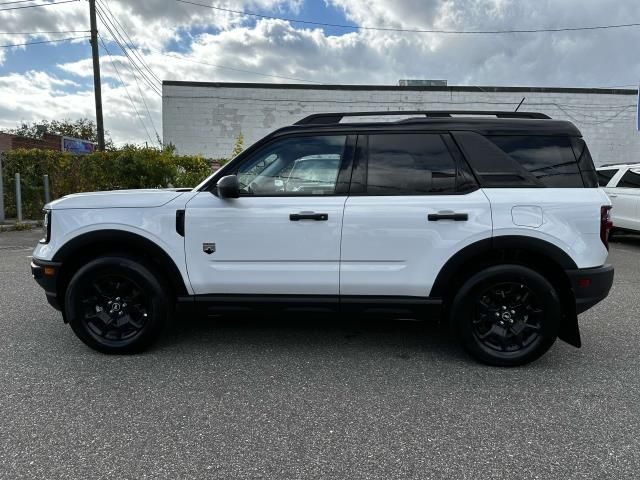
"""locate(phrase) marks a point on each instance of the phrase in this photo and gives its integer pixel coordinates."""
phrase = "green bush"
(128, 167)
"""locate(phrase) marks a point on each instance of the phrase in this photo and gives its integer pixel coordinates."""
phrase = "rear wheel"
(116, 304)
(507, 315)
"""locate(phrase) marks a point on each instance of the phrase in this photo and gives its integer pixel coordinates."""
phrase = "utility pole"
(96, 73)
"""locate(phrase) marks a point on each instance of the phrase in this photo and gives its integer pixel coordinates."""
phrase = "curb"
(26, 225)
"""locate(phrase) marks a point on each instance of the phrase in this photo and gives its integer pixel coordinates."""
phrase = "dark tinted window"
(409, 164)
(493, 167)
(585, 162)
(631, 179)
(605, 175)
(550, 159)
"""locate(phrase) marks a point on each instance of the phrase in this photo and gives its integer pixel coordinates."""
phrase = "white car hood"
(117, 199)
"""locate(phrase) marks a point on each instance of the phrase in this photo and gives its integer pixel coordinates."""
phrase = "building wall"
(206, 118)
(13, 142)
(48, 142)
(5, 142)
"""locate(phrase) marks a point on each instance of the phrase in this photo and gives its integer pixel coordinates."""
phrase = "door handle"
(457, 217)
(319, 217)
(613, 195)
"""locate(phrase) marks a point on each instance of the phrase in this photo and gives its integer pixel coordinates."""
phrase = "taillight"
(605, 224)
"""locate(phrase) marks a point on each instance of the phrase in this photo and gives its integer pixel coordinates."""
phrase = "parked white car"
(622, 184)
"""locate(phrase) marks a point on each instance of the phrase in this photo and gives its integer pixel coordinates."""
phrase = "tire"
(117, 305)
(506, 315)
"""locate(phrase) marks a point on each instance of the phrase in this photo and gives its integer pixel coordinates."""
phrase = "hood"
(144, 198)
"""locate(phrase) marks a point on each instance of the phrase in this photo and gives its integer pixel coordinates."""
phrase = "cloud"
(281, 51)
(38, 95)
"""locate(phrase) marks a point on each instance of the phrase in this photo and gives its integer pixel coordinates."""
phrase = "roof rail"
(621, 164)
(330, 118)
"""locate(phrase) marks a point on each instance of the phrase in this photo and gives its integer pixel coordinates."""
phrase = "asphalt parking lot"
(303, 398)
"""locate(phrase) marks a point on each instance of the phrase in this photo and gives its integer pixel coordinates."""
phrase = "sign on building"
(77, 146)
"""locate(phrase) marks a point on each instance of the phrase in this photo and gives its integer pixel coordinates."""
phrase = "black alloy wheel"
(116, 305)
(114, 308)
(506, 315)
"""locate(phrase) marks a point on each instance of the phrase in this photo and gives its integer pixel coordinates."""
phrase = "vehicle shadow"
(404, 338)
(624, 238)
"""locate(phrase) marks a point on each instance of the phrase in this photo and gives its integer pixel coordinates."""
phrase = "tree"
(82, 128)
(238, 146)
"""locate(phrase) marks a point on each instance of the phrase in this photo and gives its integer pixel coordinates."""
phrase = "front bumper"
(46, 274)
(590, 285)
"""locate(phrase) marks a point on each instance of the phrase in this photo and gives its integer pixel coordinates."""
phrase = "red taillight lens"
(584, 283)
(605, 224)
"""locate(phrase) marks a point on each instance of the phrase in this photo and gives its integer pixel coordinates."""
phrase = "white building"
(206, 118)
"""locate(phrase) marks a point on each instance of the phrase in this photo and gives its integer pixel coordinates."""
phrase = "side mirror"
(228, 187)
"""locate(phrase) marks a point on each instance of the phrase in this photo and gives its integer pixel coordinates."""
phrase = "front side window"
(631, 179)
(605, 176)
(409, 164)
(294, 166)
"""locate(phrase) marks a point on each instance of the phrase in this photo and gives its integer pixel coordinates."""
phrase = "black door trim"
(388, 306)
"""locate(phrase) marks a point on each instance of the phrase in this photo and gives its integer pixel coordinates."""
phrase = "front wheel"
(507, 315)
(116, 304)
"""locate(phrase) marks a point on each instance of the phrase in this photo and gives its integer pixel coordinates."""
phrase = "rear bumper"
(590, 285)
(46, 275)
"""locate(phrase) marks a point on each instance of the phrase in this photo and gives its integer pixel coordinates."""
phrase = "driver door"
(282, 236)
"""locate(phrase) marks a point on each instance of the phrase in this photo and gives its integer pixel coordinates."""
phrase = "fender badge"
(208, 248)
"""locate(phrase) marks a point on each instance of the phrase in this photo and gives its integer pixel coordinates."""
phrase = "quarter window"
(409, 164)
(294, 166)
(631, 179)
(550, 159)
(605, 176)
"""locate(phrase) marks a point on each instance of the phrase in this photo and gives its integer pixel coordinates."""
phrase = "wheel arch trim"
(486, 246)
(128, 239)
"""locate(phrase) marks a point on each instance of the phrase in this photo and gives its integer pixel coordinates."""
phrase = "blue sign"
(77, 146)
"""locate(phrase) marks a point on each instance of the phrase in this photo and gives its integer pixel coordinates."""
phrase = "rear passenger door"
(413, 203)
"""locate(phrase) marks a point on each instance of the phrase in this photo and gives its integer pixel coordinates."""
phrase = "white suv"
(496, 225)
(622, 184)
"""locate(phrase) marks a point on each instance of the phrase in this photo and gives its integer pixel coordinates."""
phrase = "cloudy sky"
(189, 40)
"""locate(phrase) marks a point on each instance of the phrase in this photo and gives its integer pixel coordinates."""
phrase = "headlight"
(46, 227)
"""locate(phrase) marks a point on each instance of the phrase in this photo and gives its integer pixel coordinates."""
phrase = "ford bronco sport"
(492, 221)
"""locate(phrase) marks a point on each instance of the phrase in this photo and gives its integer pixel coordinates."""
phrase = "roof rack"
(330, 118)
(632, 164)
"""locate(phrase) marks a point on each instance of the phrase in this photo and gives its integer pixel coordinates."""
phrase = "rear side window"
(605, 176)
(549, 159)
(409, 164)
(631, 179)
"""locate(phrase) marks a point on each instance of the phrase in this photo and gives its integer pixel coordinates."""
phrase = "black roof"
(484, 126)
(337, 117)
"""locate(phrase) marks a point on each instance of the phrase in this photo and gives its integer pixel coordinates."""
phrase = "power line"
(18, 1)
(150, 83)
(102, 14)
(118, 39)
(43, 41)
(44, 31)
(144, 101)
(409, 30)
(130, 44)
(125, 88)
(131, 63)
(38, 5)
